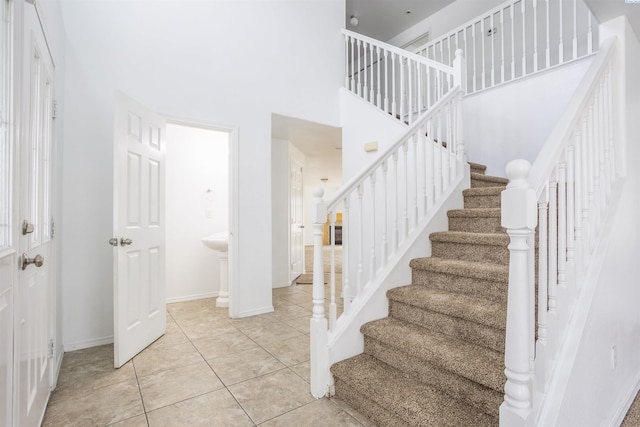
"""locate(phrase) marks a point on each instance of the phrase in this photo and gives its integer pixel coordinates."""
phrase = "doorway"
(198, 182)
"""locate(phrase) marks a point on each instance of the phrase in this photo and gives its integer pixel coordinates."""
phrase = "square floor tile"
(105, 405)
(217, 408)
(224, 345)
(207, 329)
(245, 365)
(272, 395)
(174, 385)
(291, 351)
(159, 359)
(320, 413)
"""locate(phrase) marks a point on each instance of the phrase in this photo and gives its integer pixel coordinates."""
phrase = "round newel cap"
(459, 52)
(318, 192)
(518, 171)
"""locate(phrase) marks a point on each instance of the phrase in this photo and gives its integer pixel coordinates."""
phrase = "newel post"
(460, 79)
(318, 324)
(519, 217)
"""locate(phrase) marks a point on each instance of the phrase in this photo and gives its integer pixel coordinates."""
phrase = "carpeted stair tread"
(487, 180)
(415, 403)
(491, 239)
(476, 247)
(482, 197)
(477, 168)
(476, 363)
(494, 272)
(474, 309)
(474, 213)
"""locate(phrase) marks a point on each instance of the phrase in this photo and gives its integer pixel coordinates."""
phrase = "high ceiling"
(384, 19)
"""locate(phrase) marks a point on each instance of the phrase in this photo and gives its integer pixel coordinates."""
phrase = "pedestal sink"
(219, 242)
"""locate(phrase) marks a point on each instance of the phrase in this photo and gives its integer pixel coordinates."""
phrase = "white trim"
(94, 342)
(282, 284)
(191, 297)
(40, 16)
(625, 405)
(256, 311)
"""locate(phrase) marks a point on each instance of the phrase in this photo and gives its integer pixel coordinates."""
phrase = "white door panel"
(33, 296)
(6, 338)
(139, 267)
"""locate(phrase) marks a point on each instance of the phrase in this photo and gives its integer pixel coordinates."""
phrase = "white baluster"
(386, 81)
(318, 334)
(475, 68)
(460, 147)
(416, 175)
(384, 252)
(365, 87)
(535, 35)
(483, 32)
(372, 96)
(523, 7)
(430, 161)
(589, 33)
(542, 346)
(493, 53)
(405, 219)
(578, 136)
(502, 52)
(571, 201)
(419, 97)
(429, 84)
(513, 41)
(372, 260)
(561, 42)
(548, 50)
(353, 66)
(563, 301)
(346, 283)
(575, 30)
(346, 61)
(379, 95)
(359, 278)
(359, 68)
(396, 211)
(410, 101)
(553, 256)
(585, 191)
(393, 84)
(519, 218)
(333, 312)
(403, 97)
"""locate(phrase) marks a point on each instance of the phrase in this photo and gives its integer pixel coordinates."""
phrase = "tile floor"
(207, 370)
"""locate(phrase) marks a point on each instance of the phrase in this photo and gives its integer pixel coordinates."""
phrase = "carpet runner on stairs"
(438, 359)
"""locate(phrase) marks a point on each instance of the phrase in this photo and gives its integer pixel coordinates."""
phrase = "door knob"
(113, 241)
(125, 242)
(38, 261)
(27, 227)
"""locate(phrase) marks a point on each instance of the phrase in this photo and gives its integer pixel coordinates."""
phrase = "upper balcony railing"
(516, 39)
(394, 80)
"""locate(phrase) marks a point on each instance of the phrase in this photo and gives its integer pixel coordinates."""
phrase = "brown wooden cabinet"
(326, 230)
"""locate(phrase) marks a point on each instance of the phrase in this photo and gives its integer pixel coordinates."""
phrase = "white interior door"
(296, 208)
(34, 293)
(139, 229)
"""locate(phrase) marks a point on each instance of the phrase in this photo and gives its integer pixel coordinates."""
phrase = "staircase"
(438, 359)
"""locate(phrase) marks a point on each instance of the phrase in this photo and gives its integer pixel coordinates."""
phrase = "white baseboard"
(79, 345)
(281, 285)
(255, 312)
(622, 410)
(191, 297)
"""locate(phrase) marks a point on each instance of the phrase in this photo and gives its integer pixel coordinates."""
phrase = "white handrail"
(516, 39)
(573, 177)
(394, 80)
(382, 207)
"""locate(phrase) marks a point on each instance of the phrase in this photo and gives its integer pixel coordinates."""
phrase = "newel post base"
(318, 327)
(519, 217)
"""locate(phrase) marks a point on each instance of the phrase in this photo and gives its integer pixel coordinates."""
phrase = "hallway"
(207, 370)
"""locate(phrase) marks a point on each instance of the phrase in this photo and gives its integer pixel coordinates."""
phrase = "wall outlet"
(208, 213)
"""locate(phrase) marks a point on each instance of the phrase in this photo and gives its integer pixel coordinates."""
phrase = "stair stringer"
(550, 403)
(346, 340)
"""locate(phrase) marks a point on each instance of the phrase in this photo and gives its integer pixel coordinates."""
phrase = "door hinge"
(52, 348)
(54, 109)
(53, 227)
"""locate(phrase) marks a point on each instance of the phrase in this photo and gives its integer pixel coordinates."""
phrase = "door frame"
(234, 180)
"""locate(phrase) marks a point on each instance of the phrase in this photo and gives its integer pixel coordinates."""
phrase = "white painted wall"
(362, 124)
(514, 120)
(599, 394)
(197, 183)
(223, 62)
